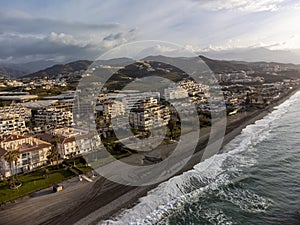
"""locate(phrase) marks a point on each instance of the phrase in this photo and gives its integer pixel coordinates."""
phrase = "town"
(38, 131)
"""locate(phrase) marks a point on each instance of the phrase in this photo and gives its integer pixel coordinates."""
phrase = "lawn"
(32, 182)
(80, 165)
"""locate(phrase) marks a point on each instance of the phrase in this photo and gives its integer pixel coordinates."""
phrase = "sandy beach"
(82, 202)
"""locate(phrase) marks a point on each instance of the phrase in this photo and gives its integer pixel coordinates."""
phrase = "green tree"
(53, 154)
(172, 127)
(12, 157)
(55, 149)
(46, 173)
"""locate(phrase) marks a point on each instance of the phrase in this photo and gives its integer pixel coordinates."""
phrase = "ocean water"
(255, 180)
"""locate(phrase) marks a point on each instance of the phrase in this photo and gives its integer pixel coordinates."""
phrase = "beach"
(88, 203)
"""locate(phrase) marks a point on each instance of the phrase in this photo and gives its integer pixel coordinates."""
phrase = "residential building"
(131, 100)
(172, 93)
(148, 114)
(18, 109)
(113, 108)
(33, 153)
(52, 117)
(72, 141)
(12, 123)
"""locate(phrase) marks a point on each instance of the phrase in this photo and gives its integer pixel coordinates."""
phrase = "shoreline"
(133, 196)
(103, 199)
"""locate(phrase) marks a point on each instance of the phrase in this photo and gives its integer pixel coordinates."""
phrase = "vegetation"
(34, 181)
(78, 165)
(41, 92)
(54, 155)
(12, 157)
(53, 71)
(174, 128)
(40, 178)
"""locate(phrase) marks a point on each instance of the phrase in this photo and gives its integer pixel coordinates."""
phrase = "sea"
(254, 180)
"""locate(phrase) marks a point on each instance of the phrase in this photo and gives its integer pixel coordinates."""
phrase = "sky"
(67, 30)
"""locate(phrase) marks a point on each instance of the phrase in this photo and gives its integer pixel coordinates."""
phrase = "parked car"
(57, 187)
(152, 159)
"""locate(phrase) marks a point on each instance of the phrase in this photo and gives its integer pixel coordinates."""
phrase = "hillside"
(62, 69)
(217, 66)
(221, 66)
(290, 71)
(11, 71)
(255, 54)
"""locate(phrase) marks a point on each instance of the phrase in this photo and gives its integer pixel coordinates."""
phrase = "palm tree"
(54, 155)
(172, 127)
(46, 173)
(12, 157)
(51, 156)
(56, 149)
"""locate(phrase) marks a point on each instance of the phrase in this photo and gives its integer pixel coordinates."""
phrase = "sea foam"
(213, 174)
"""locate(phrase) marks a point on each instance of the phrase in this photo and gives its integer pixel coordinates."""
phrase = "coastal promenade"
(82, 202)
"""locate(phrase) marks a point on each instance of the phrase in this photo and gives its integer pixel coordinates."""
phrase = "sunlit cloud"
(79, 30)
(242, 5)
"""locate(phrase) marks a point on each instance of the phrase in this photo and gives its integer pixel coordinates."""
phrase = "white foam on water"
(213, 174)
(246, 200)
(216, 216)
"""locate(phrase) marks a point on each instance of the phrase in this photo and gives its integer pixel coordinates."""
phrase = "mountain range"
(61, 69)
(14, 70)
(254, 55)
(224, 61)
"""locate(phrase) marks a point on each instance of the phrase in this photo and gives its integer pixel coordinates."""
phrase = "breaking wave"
(216, 179)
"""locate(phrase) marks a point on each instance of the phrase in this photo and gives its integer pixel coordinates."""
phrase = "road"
(86, 203)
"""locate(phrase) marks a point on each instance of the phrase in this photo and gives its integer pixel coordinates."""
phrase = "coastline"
(103, 198)
(232, 131)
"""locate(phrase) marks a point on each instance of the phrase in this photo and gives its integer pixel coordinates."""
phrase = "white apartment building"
(73, 141)
(177, 92)
(149, 114)
(14, 83)
(33, 153)
(18, 109)
(12, 123)
(131, 100)
(113, 108)
(52, 117)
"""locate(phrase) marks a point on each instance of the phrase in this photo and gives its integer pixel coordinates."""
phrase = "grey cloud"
(112, 37)
(23, 39)
(27, 47)
(42, 25)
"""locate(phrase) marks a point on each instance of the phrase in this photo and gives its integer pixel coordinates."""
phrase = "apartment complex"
(148, 114)
(52, 117)
(72, 141)
(131, 100)
(113, 108)
(33, 153)
(172, 93)
(12, 123)
(16, 109)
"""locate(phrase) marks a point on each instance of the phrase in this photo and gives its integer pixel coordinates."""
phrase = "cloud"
(27, 24)
(112, 37)
(241, 5)
(21, 46)
(68, 30)
(65, 39)
(24, 38)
